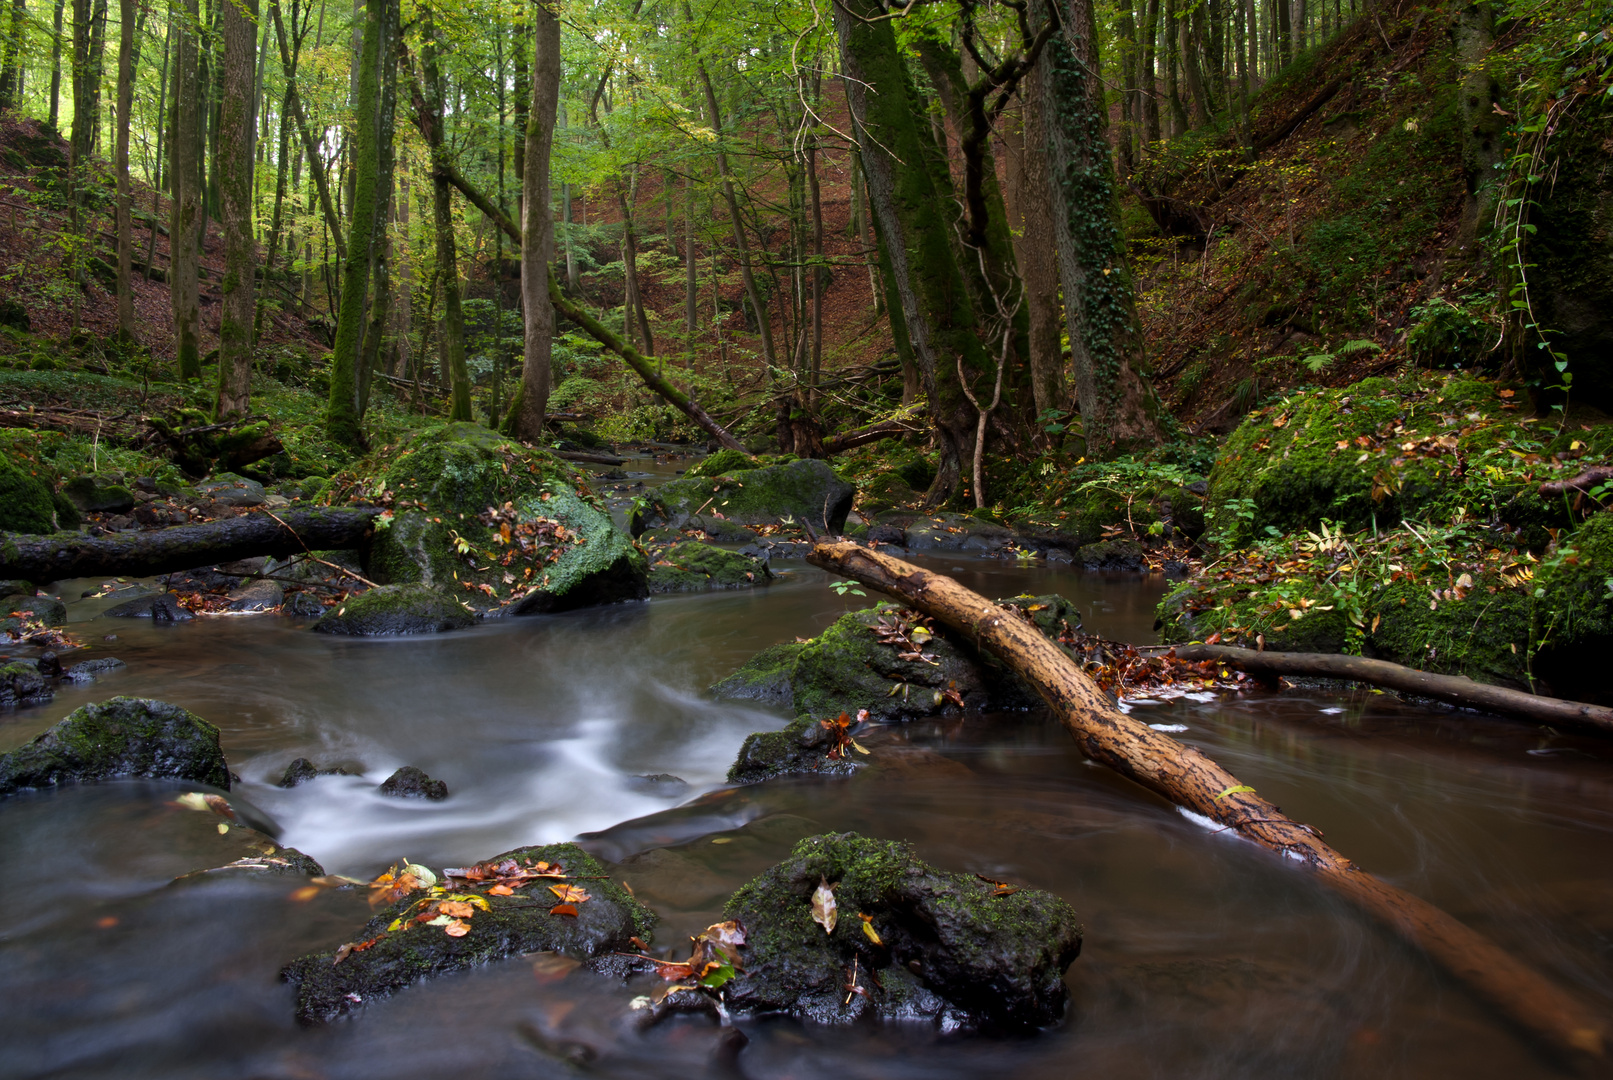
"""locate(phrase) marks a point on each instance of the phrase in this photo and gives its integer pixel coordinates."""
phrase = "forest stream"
(1203, 957)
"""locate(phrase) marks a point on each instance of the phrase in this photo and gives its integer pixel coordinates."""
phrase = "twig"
(317, 559)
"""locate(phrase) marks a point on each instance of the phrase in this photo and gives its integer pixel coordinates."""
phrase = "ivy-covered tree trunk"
(185, 209)
(428, 114)
(1119, 411)
(235, 210)
(364, 214)
(537, 230)
(894, 136)
(120, 168)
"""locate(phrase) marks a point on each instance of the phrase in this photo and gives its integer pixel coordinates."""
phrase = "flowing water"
(1204, 956)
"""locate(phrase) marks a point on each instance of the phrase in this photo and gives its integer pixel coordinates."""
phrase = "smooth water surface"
(1204, 957)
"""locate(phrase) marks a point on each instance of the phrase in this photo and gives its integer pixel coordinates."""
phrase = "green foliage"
(1452, 334)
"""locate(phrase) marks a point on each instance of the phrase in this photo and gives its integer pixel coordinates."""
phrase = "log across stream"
(1205, 956)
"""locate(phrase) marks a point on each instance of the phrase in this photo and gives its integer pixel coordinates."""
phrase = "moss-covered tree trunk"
(537, 230)
(185, 209)
(381, 240)
(364, 211)
(235, 210)
(1483, 127)
(914, 223)
(120, 168)
(1030, 211)
(1119, 410)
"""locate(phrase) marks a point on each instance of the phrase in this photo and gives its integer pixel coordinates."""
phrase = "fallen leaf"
(304, 894)
(457, 928)
(501, 890)
(823, 906)
(457, 908)
(569, 894)
(564, 909)
(1233, 791)
(868, 928)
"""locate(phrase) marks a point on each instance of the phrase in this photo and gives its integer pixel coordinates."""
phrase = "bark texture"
(184, 223)
(235, 209)
(537, 232)
(1192, 781)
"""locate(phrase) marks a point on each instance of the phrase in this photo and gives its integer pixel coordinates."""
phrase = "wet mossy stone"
(723, 461)
(1575, 614)
(800, 748)
(22, 684)
(954, 949)
(15, 587)
(235, 490)
(26, 502)
(1112, 555)
(95, 495)
(449, 478)
(133, 737)
(49, 610)
(396, 609)
(410, 782)
(693, 567)
(87, 671)
(606, 922)
(847, 668)
(158, 607)
(805, 490)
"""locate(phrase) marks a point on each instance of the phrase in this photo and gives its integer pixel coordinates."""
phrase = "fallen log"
(850, 440)
(1586, 480)
(1455, 689)
(182, 547)
(1193, 782)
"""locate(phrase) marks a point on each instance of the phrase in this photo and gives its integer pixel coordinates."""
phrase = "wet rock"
(1175, 570)
(956, 532)
(412, 783)
(264, 857)
(1112, 555)
(35, 610)
(159, 607)
(799, 490)
(14, 587)
(98, 495)
(121, 737)
(298, 772)
(49, 665)
(801, 747)
(463, 473)
(664, 784)
(22, 684)
(396, 609)
(954, 949)
(27, 504)
(719, 462)
(302, 605)
(886, 534)
(232, 490)
(522, 923)
(693, 567)
(258, 596)
(86, 671)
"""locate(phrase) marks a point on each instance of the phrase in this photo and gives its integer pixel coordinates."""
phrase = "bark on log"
(1452, 688)
(1586, 480)
(850, 440)
(181, 547)
(1192, 781)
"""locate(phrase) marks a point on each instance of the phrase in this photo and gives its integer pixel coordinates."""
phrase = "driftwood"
(1586, 480)
(1194, 782)
(181, 547)
(1452, 688)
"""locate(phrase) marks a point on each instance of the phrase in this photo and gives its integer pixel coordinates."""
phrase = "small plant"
(844, 588)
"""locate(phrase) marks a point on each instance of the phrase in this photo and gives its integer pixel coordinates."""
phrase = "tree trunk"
(185, 209)
(120, 168)
(184, 547)
(316, 163)
(1035, 252)
(1190, 41)
(1483, 127)
(380, 259)
(235, 209)
(1119, 411)
(537, 232)
(429, 117)
(1192, 781)
(11, 69)
(56, 64)
(1149, 74)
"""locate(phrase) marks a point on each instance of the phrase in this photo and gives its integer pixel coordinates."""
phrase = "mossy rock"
(15, 587)
(723, 461)
(800, 748)
(447, 486)
(1112, 555)
(805, 490)
(135, 737)
(39, 610)
(693, 567)
(954, 949)
(26, 503)
(1574, 614)
(521, 923)
(94, 495)
(396, 609)
(22, 684)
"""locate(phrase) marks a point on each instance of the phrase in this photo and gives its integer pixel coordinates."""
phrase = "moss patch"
(693, 567)
(396, 609)
(122, 737)
(802, 490)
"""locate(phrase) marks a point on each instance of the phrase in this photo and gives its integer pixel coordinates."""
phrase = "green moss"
(693, 566)
(1574, 617)
(396, 609)
(25, 500)
(723, 461)
(121, 737)
(802, 490)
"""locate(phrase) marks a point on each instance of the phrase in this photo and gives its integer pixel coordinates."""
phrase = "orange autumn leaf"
(564, 909)
(501, 890)
(570, 894)
(457, 908)
(304, 894)
(457, 928)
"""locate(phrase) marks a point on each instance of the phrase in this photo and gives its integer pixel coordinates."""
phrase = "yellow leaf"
(868, 928)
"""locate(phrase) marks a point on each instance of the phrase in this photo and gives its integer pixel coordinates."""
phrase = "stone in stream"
(121, 737)
(86, 671)
(302, 605)
(334, 983)
(412, 783)
(97, 495)
(799, 490)
(693, 567)
(954, 949)
(1112, 555)
(158, 607)
(396, 609)
(302, 770)
(258, 596)
(22, 683)
(499, 524)
(31, 612)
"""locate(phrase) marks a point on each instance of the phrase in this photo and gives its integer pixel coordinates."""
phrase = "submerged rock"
(412, 783)
(87, 671)
(158, 607)
(258, 596)
(799, 490)
(302, 770)
(952, 948)
(1112, 555)
(693, 566)
(302, 605)
(23, 684)
(488, 511)
(121, 737)
(396, 609)
(335, 983)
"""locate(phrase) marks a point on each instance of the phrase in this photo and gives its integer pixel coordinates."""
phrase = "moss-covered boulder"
(396, 609)
(803, 746)
(22, 684)
(1574, 613)
(720, 462)
(22, 614)
(98, 495)
(117, 738)
(928, 945)
(26, 502)
(693, 567)
(497, 523)
(1111, 555)
(400, 950)
(800, 491)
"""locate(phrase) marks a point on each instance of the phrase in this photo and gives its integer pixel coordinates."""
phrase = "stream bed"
(1204, 957)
